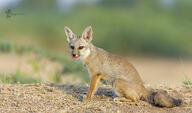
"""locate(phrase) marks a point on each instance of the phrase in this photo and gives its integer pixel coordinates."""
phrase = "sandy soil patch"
(22, 98)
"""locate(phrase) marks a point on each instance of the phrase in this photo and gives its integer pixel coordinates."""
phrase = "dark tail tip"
(177, 102)
(162, 99)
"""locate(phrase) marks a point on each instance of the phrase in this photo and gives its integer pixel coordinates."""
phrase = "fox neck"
(85, 54)
(88, 54)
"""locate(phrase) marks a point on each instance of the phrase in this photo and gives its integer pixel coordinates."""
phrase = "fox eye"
(72, 47)
(81, 47)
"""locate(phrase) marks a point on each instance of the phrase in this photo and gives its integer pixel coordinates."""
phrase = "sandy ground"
(33, 98)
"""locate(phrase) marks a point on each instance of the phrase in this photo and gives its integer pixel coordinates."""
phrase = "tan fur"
(123, 76)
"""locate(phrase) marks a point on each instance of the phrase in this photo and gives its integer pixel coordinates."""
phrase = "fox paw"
(116, 100)
(121, 99)
(84, 103)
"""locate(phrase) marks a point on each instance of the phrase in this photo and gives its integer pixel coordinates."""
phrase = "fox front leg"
(95, 84)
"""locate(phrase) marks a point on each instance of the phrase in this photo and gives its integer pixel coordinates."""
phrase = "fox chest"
(98, 67)
(94, 67)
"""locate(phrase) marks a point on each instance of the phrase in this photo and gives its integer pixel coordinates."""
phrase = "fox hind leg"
(125, 92)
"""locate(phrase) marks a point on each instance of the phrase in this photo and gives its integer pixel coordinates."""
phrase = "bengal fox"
(125, 79)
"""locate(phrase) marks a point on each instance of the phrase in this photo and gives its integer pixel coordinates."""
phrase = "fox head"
(80, 45)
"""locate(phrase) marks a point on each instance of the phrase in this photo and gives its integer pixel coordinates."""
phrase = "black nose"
(73, 55)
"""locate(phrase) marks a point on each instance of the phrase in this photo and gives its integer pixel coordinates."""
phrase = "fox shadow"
(80, 92)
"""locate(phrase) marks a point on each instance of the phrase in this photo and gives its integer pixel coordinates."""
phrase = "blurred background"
(155, 35)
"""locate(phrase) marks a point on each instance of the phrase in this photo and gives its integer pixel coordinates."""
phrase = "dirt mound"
(66, 98)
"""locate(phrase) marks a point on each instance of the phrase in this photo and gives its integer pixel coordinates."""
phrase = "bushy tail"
(161, 99)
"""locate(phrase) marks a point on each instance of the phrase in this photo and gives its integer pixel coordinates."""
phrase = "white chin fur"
(85, 53)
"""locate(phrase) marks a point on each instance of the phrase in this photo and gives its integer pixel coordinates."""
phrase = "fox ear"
(87, 34)
(70, 35)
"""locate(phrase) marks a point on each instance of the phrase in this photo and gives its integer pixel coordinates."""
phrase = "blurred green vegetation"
(17, 77)
(68, 65)
(124, 27)
(128, 27)
(187, 81)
